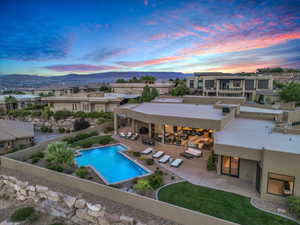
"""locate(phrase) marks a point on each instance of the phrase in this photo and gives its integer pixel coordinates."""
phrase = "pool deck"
(194, 170)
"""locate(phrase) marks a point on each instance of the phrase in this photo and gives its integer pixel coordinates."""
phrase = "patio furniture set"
(162, 157)
(129, 135)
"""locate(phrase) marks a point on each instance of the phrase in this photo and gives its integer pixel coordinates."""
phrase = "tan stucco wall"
(212, 100)
(104, 107)
(248, 170)
(280, 163)
(244, 153)
(139, 90)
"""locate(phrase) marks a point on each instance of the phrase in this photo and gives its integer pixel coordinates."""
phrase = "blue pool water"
(108, 162)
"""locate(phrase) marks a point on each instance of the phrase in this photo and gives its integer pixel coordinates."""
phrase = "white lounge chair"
(122, 135)
(147, 151)
(129, 134)
(176, 162)
(194, 152)
(164, 159)
(134, 136)
(158, 154)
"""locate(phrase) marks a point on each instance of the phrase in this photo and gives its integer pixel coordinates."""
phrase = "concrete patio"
(194, 170)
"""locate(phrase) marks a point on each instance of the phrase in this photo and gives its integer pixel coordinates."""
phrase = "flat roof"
(180, 110)
(166, 100)
(11, 130)
(19, 97)
(260, 110)
(257, 134)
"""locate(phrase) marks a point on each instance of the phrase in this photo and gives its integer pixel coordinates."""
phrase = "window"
(249, 84)
(200, 84)
(236, 83)
(230, 166)
(263, 84)
(74, 107)
(191, 83)
(280, 184)
(209, 84)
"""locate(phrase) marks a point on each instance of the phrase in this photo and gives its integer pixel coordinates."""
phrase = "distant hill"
(31, 81)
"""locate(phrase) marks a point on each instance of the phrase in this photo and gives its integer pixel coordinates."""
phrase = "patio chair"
(194, 152)
(147, 151)
(122, 135)
(186, 155)
(177, 162)
(158, 154)
(134, 136)
(129, 135)
(164, 159)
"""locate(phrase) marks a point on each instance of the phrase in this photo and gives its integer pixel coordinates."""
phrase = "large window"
(279, 184)
(230, 166)
(263, 84)
(191, 83)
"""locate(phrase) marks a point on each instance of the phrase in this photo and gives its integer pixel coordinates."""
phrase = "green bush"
(104, 140)
(294, 205)
(100, 121)
(155, 180)
(36, 114)
(136, 154)
(37, 157)
(149, 162)
(86, 143)
(46, 129)
(93, 133)
(19, 147)
(62, 115)
(108, 129)
(22, 214)
(211, 165)
(82, 172)
(61, 130)
(55, 167)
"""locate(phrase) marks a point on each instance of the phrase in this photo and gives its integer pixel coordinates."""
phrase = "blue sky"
(55, 37)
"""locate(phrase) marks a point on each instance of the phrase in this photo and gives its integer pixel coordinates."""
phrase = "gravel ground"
(111, 206)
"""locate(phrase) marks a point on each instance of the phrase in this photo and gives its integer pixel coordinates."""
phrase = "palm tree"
(60, 153)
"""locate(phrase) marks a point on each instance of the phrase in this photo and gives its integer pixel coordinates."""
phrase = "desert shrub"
(142, 185)
(80, 114)
(172, 178)
(108, 129)
(136, 154)
(100, 120)
(22, 214)
(59, 115)
(46, 129)
(104, 140)
(36, 114)
(61, 130)
(81, 124)
(55, 167)
(155, 180)
(93, 133)
(294, 205)
(19, 147)
(211, 165)
(86, 143)
(37, 157)
(82, 172)
(149, 162)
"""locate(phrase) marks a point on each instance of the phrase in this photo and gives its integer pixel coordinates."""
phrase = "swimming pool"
(110, 164)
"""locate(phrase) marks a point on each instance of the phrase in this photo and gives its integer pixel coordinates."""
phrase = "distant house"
(137, 88)
(14, 133)
(19, 102)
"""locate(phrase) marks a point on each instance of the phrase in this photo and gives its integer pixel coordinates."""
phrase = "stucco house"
(256, 145)
(14, 133)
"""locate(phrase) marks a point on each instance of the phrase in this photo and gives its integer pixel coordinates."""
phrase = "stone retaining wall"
(75, 209)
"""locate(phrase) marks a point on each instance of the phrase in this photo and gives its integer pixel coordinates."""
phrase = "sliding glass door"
(230, 166)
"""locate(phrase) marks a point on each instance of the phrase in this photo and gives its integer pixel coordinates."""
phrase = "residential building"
(14, 133)
(222, 84)
(56, 90)
(137, 88)
(87, 102)
(255, 145)
(21, 102)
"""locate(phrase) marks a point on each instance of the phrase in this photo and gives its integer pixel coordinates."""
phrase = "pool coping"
(150, 172)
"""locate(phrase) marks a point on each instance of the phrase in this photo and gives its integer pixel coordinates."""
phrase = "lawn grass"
(221, 204)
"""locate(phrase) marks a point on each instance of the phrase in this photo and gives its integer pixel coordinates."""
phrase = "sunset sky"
(54, 37)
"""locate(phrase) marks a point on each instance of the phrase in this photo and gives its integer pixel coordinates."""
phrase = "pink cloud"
(146, 2)
(149, 62)
(201, 28)
(80, 68)
(158, 37)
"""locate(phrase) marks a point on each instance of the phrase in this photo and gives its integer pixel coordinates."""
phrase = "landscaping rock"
(41, 189)
(53, 196)
(80, 203)
(94, 207)
(69, 201)
(31, 188)
(127, 220)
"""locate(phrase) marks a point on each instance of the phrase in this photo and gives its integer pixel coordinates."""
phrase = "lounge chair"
(122, 135)
(177, 162)
(186, 155)
(134, 136)
(158, 154)
(147, 151)
(129, 135)
(194, 152)
(164, 159)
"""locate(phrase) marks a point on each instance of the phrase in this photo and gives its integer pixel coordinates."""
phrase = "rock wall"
(75, 209)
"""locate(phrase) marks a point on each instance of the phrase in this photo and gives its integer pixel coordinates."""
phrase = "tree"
(146, 94)
(148, 79)
(143, 185)
(75, 89)
(154, 93)
(180, 90)
(10, 99)
(290, 93)
(121, 80)
(134, 80)
(60, 153)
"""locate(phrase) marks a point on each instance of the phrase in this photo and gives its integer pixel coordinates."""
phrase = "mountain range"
(14, 81)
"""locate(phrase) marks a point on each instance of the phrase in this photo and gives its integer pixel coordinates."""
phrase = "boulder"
(69, 201)
(127, 220)
(53, 196)
(82, 214)
(31, 188)
(80, 203)
(41, 189)
(92, 207)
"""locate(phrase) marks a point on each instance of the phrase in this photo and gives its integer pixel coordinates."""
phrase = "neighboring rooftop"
(168, 100)
(257, 134)
(11, 130)
(141, 85)
(179, 110)
(260, 110)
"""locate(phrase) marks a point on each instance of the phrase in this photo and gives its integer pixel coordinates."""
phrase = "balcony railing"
(231, 89)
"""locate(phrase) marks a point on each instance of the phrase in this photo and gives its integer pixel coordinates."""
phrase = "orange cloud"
(200, 28)
(149, 62)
